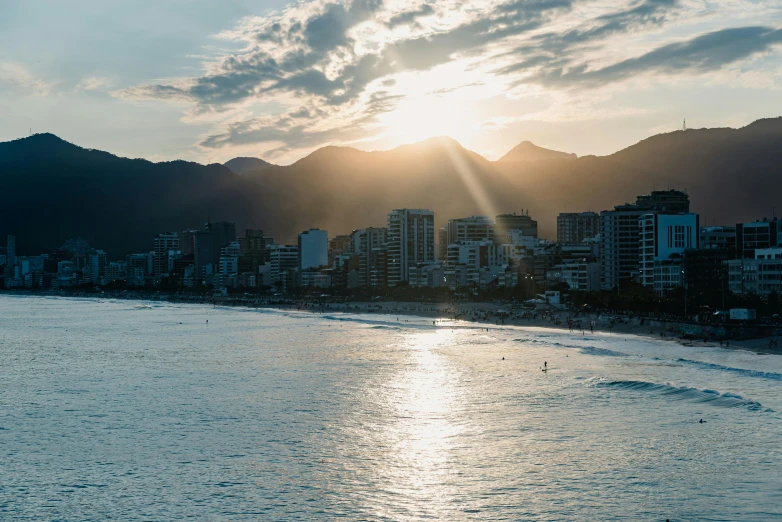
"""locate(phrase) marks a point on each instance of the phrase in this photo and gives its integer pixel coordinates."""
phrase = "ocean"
(132, 410)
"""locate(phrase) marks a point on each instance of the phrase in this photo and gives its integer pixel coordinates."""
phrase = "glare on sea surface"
(426, 400)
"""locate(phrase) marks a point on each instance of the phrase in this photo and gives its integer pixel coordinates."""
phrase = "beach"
(502, 314)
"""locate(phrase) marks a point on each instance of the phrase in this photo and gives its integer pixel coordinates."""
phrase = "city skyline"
(208, 82)
(655, 243)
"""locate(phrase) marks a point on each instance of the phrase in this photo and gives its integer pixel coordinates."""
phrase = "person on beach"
(545, 365)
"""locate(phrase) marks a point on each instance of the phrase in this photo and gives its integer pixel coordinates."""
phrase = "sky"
(208, 80)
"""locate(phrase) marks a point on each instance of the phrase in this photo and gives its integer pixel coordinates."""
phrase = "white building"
(410, 241)
(580, 275)
(430, 275)
(283, 258)
(116, 270)
(761, 275)
(619, 233)
(313, 249)
(668, 274)
(661, 236)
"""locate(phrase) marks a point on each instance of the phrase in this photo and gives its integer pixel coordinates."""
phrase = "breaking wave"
(706, 396)
(740, 371)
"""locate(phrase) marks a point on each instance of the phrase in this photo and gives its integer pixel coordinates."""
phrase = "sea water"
(128, 410)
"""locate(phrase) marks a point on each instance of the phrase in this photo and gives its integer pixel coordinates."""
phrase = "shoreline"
(552, 320)
(479, 313)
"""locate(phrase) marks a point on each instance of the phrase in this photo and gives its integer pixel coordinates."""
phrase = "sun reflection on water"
(426, 401)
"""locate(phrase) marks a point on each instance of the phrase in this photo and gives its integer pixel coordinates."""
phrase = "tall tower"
(410, 241)
(163, 244)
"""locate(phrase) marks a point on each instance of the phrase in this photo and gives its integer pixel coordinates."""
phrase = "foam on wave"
(706, 396)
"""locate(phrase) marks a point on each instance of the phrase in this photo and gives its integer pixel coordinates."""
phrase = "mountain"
(51, 190)
(243, 165)
(528, 151)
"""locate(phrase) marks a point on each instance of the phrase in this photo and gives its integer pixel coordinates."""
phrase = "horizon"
(276, 80)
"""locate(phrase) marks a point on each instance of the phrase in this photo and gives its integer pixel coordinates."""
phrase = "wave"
(378, 323)
(593, 350)
(740, 371)
(705, 396)
(587, 350)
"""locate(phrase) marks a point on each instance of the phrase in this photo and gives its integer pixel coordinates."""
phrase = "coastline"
(482, 313)
(475, 313)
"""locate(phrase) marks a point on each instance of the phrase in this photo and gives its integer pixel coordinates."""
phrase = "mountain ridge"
(51, 189)
(243, 164)
(528, 151)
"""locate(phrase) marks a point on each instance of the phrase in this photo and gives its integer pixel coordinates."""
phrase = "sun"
(422, 117)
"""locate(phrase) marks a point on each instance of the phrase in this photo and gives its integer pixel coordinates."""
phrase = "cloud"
(295, 129)
(336, 66)
(704, 53)
(293, 55)
(16, 77)
(407, 17)
(557, 48)
(92, 83)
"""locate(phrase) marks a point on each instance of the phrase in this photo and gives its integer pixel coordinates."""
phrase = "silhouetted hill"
(528, 151)
(242, 165)
(732, 175)
(51, 190)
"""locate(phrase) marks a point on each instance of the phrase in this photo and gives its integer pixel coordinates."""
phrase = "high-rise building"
(254, 251)
(505, 223)
(442, 243)
(473, 228)
(254, 241)
(96, 265)
(619, 234)
(760, 275)
(410, 241)
(575, 227)
(284, 259)
(718, 237)
(363, 242)
(163, 244)
(473, 256)
(757, 235)
(313, 249)
(378, 267)
(187, 241)
(662, 236)
(116, 270)
(220, 234)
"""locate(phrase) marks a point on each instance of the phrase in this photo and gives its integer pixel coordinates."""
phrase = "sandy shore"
(490, 313)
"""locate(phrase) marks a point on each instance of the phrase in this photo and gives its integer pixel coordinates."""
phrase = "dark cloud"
(555, 49)
(292, 129)
(300, 71)
(313, 57)
(705, 53)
